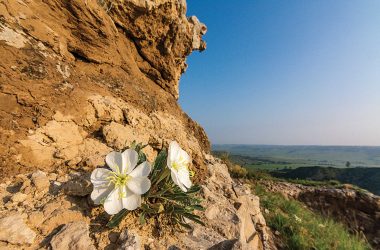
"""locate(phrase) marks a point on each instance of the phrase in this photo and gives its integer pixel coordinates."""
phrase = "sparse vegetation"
(299, 228)
(235, 170)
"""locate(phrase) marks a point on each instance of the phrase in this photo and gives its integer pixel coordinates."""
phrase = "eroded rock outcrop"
(358, 209)
(232, 214)
(80, 78)
(164, 45)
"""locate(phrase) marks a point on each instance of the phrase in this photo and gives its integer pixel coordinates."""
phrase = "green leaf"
(198, 207)
(142, 157)
(194, 218)
(158, 166)
(194, 189)
(164, 173)
(138, 147)
(142, 219)
(160, 161)
(116, 219)
(133, 145)
(184, 225)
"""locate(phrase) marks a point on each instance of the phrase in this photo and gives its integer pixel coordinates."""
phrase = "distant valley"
(296, 156)
(347, 164)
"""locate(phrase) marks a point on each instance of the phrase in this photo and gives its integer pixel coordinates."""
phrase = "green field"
(309, 163)
(272, 157)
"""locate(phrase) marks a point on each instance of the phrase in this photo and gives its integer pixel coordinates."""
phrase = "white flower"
(298, 219)
(178, 162)
(123, 186)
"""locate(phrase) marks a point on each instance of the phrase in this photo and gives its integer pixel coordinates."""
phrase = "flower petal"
(99, 176)
(141, 170)
(130, 158)
(184, 177)
(177, 181)
(100, 194)
(174, 149)
(113, 204)
(139, 185)
(183, 155)
(131, 201)
(114, 160)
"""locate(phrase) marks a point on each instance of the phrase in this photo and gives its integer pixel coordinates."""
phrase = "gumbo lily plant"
(131, 183)
(122, 185)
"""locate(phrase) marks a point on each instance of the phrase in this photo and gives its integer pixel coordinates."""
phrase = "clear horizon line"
(300, 145)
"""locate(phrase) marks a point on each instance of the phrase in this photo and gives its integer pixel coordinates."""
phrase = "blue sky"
(286, 72)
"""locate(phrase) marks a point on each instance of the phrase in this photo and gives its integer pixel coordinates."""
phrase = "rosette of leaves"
(164, 197)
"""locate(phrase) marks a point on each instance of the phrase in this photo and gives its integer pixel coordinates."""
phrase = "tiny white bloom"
(298, 219)
(178, 162)
(122, 186)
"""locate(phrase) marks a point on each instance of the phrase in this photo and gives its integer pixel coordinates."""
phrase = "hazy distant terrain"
(318, 163)
(299, 156)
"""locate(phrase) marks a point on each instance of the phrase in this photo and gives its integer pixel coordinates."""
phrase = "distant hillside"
(336, 156)
(367, 178)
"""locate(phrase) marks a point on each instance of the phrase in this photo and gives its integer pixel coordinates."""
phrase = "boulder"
(78, 186)
(129, 241)
(40, 181)
(73, 236)
(14, 230)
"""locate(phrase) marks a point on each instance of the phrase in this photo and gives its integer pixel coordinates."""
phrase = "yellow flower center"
(119, 179)
(182, 163)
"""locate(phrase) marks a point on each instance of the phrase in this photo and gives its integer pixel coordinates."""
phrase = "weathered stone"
(14, 230)
(129, 241)
(79, 186)
(73, 236)
(163, 44)
(355, 208)
(94, 152)
(19, 197)
(40, 180)
(36, 218)
(233, 216)
(113, 236)
(119, 136)
(106, 108)
(58, 211)
(15, 38)
(225, 245)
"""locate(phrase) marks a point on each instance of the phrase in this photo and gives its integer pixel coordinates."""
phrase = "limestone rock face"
(14, 230)
(82, 78)
(233, 216)
(164, 45)
(74, 235)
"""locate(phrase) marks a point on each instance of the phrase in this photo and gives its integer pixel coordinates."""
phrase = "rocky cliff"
(80, 78)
